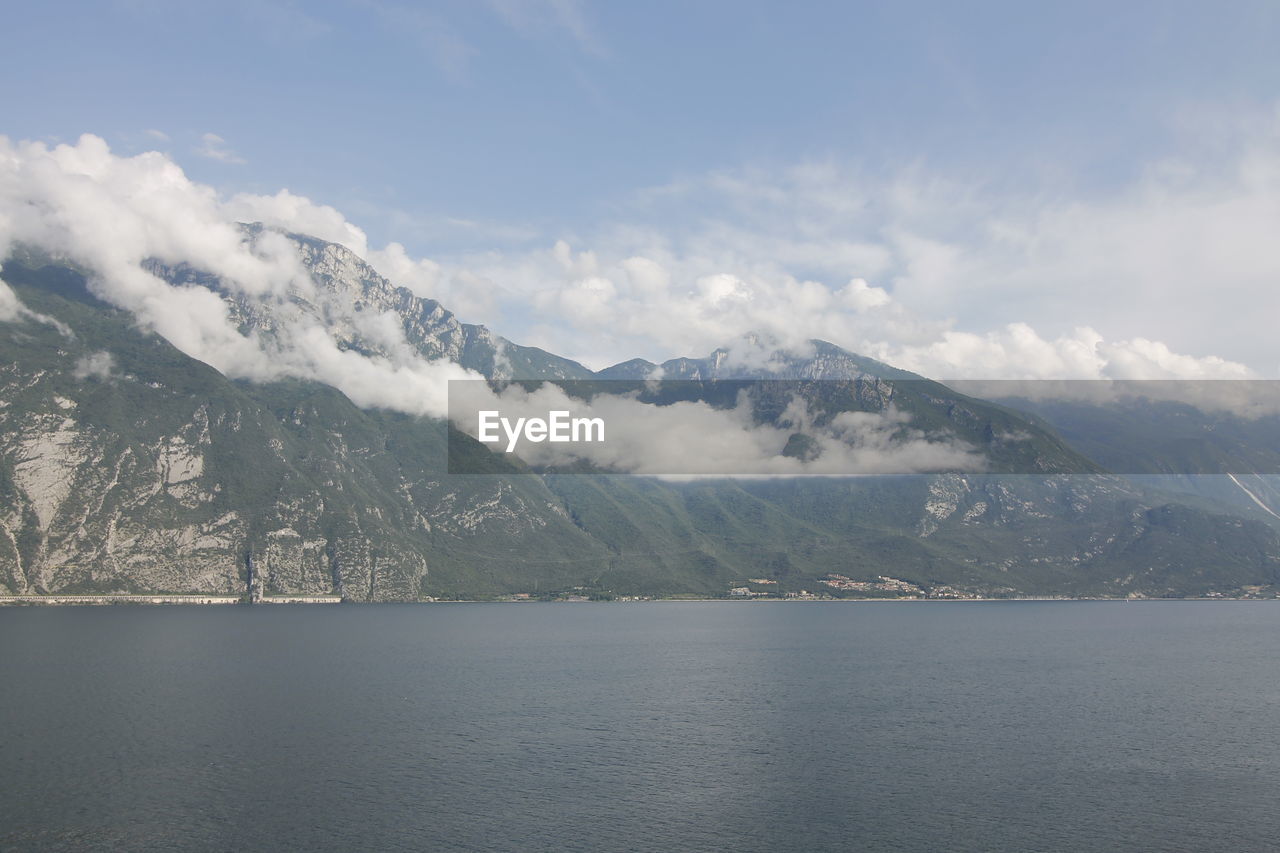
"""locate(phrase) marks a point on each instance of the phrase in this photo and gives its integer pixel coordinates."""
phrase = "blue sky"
(480, 133)
(542, 115)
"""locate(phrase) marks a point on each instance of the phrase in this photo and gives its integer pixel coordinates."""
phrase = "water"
(1021, 726)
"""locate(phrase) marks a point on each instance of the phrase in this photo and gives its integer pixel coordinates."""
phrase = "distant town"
(830, 587)
(837, 586)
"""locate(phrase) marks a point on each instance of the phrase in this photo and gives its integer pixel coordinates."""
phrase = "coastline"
(223, 600)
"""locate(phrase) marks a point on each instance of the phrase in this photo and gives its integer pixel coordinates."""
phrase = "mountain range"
(128, 466)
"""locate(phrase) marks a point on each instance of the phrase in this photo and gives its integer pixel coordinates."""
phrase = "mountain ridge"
(322, 496)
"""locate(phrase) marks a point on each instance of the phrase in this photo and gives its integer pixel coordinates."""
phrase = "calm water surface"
(1019, 726)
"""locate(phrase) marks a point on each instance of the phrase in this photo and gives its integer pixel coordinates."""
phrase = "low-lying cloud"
(113, 215)
(693, 438)
(98, 365)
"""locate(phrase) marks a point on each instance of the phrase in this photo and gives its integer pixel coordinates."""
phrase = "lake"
(655, 726)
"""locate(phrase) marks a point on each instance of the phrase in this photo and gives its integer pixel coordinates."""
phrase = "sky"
(980, 189)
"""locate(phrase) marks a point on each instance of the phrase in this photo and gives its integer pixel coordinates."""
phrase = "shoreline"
(188, 600)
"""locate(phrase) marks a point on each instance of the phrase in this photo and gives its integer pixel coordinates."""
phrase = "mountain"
(128, 466)
(349, 293)
(156, 473)
(832, 381)
(1153, 433)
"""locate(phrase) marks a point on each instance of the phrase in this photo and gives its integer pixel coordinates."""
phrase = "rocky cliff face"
(85, 508)
(126, 466)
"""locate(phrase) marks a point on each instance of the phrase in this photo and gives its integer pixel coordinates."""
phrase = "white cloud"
(96, 365)
(609, 305)
(1017, 351)
(214, 147)
(300, 215)
(1172, 273)
(12, 309)
(110, 214)
(421, 276)
(693, 439)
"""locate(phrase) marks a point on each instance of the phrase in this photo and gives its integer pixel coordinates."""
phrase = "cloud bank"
(691, 439)
(111, 214)
(1172, 272)
(943, 278)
